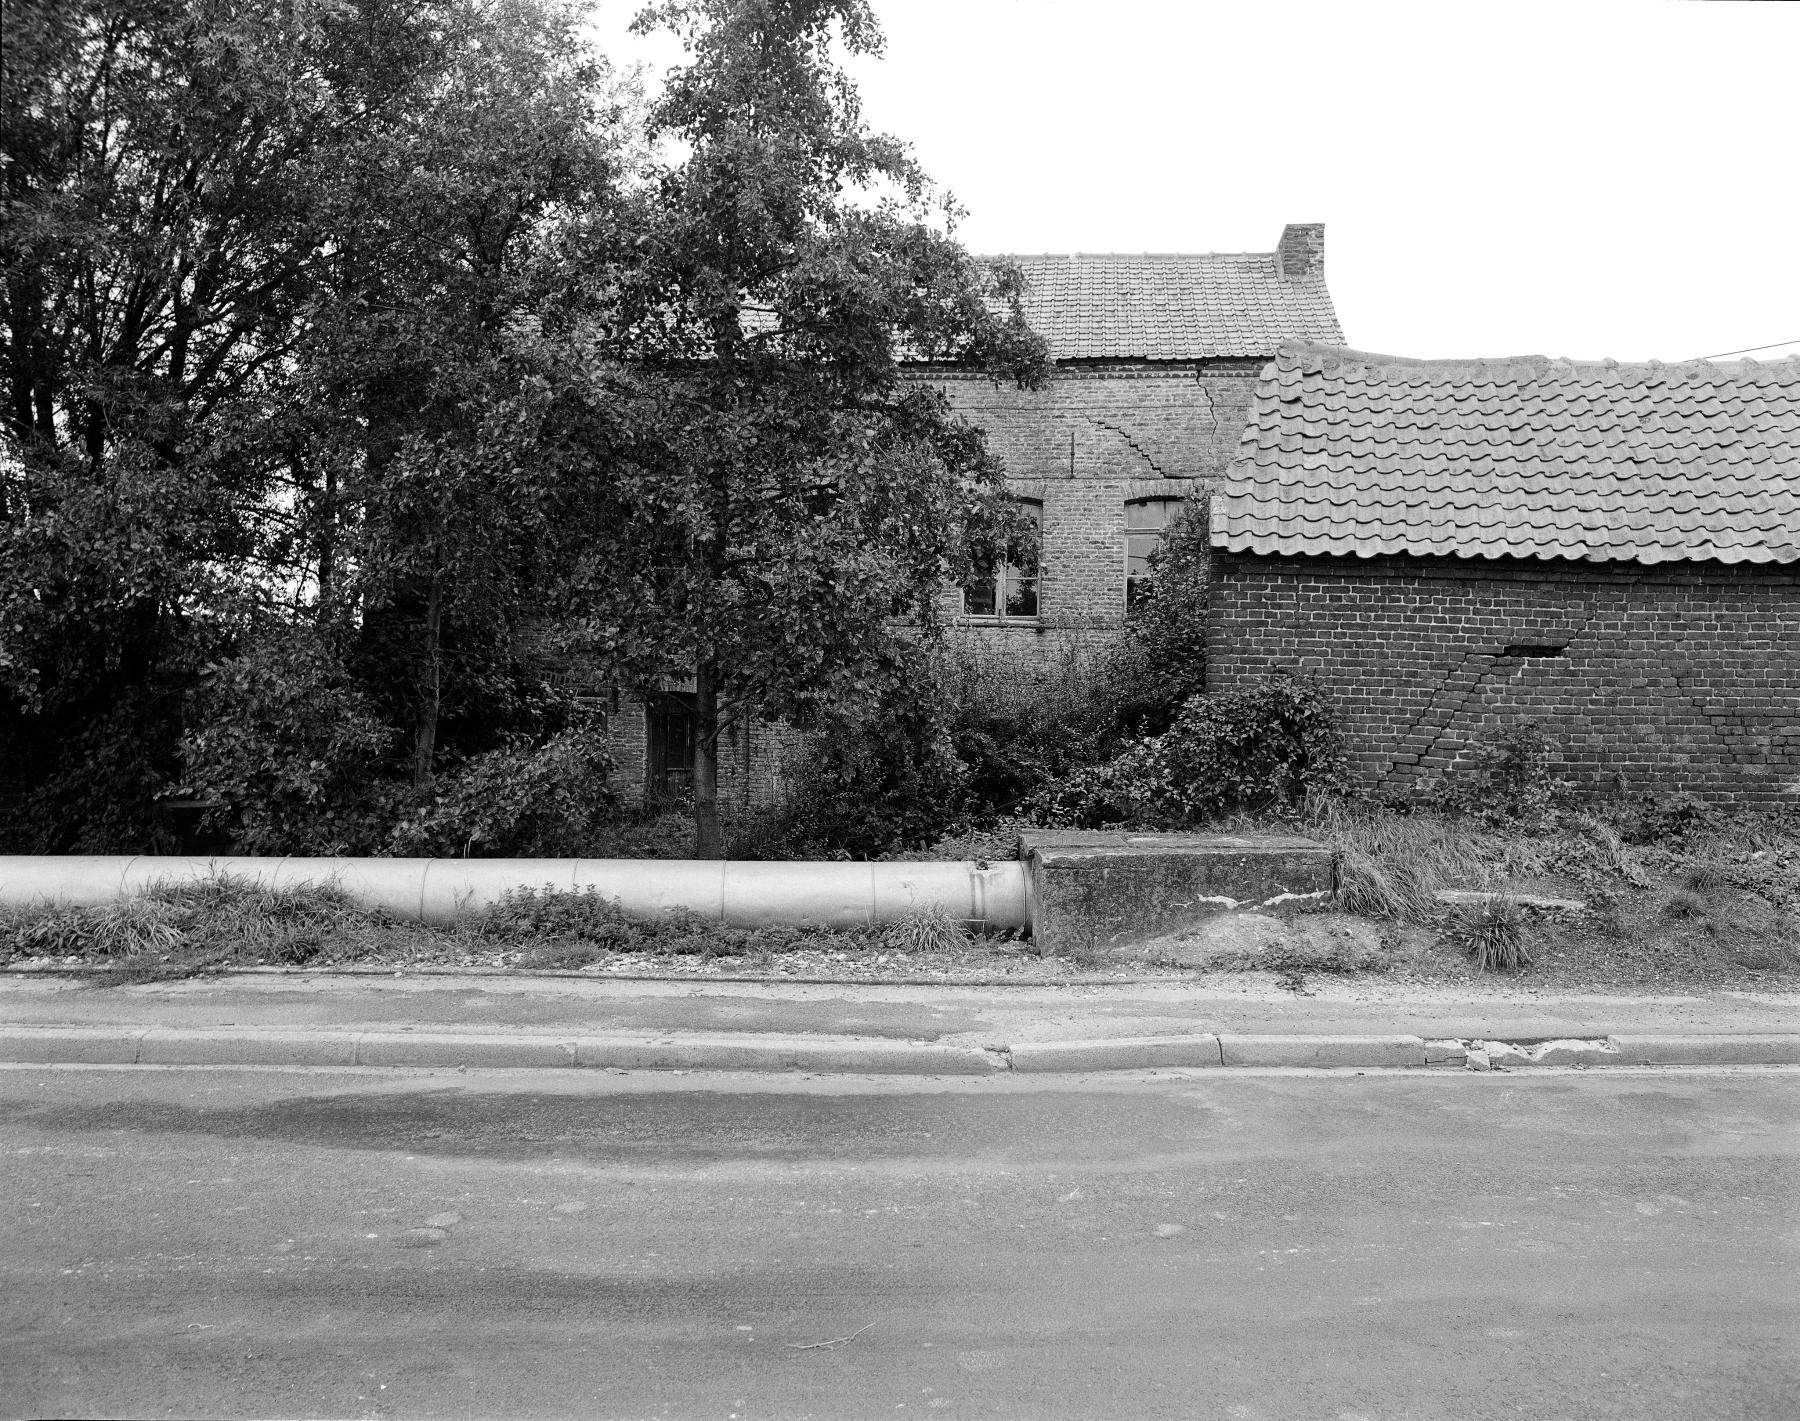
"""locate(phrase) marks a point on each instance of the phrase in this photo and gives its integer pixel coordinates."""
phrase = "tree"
(772, 507)
(163, 162)
(419, 527)
(258, 274)
(1160, 664)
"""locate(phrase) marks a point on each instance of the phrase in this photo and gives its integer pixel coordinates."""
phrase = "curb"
(97, 1046)
(89, 1046)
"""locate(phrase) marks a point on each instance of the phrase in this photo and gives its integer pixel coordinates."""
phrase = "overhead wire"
(1748, 350)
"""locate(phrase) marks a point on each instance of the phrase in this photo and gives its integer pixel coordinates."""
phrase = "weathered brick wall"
(1100, 435)
(1673, 677)
(753, 757)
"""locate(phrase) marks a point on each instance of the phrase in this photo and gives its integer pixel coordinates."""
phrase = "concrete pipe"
(739, 894)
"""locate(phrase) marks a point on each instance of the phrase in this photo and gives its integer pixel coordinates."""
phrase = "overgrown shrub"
(1510, 779)
(1160, 663)
(1663, 818)
(995, 733)
(520, 801)
(287, 749)
(1262, 747)
(864, 787)
(1019, 723)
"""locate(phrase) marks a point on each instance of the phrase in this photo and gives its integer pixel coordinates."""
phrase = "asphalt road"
(312, 1243)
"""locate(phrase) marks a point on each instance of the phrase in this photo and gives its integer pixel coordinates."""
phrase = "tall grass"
(1393, 865)
(178, 930)
(222, 923)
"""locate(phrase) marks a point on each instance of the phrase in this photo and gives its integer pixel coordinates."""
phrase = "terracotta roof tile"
(1349, 453)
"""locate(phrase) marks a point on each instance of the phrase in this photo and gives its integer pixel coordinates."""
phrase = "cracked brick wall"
(1100, 435)
(1669, 677)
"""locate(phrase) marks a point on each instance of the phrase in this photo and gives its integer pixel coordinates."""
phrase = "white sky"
(1584, 178)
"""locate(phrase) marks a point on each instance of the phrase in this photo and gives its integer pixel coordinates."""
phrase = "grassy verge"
(1707, 901)
(1696, 901)
(223, 924)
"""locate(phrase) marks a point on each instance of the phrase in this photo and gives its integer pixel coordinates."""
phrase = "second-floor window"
(1009, 591)
(1146, 525)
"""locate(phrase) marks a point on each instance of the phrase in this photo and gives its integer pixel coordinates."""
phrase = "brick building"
(1154, 361)
(1451, 545)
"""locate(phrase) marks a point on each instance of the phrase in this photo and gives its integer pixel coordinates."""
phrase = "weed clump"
(1509, 780)
(210, 925)
(1493, 934)
(928, 930)
(1683, 904)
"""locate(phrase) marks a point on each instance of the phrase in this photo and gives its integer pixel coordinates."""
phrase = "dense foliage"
(1264, 747)
(772, 510)
(259, 279)
(350, 362)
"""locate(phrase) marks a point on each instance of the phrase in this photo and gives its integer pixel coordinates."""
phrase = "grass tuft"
(1705, 878)
(927, 930)
(1493, 934)
(1683, 905)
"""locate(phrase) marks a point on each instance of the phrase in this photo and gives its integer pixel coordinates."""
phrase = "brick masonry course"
(1678, 676)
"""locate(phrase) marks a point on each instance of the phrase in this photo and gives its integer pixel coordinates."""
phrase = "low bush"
(1510, 779)
(523, 800)
(1264, 748)
(530, 914)
(1669, 818)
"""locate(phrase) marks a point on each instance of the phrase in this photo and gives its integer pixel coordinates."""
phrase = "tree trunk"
(431, 685)
(328, 542)
(708, 841)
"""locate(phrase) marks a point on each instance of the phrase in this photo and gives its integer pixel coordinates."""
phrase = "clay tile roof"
(1350, 453)
(1173, 306)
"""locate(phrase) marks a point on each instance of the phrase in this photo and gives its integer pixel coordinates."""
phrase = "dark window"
(669, 724)
(1010, 591)
(1146, 525)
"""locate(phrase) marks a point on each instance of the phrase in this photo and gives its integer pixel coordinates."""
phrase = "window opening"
(1009, 591)
(1147, 523)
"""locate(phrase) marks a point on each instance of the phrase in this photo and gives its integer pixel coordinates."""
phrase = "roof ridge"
(1134, 256)
(1477, 362)
(1346, 353)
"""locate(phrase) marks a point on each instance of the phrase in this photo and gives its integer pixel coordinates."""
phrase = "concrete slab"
(517, 1051)
(1101, 889)
(247, 1048)
(1721, 1050)
(1117, 1055)
(72, 1046)
(1322, 1050)
(783, 1053)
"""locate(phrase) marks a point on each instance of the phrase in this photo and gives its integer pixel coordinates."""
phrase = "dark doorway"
(671, 748)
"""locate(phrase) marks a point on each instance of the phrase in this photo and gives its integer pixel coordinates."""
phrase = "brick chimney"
(1301, 252)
